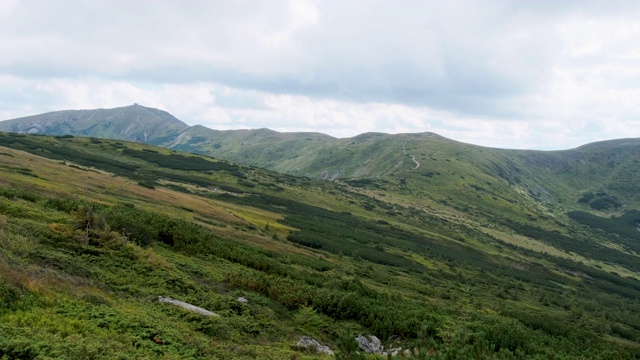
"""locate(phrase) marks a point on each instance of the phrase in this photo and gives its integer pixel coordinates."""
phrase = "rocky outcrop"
(187, 306)
(372, 345)
(313, 345)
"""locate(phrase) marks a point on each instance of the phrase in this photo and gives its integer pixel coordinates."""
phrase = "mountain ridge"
(134, 122)
(27, 124)
(555, 178)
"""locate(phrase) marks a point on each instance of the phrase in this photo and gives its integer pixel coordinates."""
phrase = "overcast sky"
(515, 74)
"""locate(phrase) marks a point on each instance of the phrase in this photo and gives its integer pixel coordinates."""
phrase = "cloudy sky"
(515, 74)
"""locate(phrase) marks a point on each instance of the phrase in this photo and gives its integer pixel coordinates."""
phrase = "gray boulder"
(309, 343)
(370, 344)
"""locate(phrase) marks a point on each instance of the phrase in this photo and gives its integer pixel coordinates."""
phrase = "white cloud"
(496, 73)
(7, 7)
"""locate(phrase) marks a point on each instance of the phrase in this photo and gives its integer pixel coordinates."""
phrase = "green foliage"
(308, 321)
(363, 183)
(80, 279)
(182, 162)
(588, 249)
(18, 194)
(65, 205)
(20, 170)
(626, 225)
(147, 184)
(55, 151)
(600, 200)
(347, 346)
(10, 296)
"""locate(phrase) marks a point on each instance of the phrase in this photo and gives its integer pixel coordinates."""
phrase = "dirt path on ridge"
(413, 158)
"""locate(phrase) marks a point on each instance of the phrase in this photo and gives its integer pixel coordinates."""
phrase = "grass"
(84, 255)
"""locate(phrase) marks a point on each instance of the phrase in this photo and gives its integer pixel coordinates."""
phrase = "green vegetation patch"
(601, 200)
(81, 279)
(183, 162)
(626, 225)
(58, 151)
(588, 249)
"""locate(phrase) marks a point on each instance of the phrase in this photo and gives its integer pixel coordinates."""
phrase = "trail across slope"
(413, 158)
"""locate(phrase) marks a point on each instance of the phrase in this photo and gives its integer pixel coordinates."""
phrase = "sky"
(542, 74)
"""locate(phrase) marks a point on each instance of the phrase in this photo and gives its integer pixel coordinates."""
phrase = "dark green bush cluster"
(143, 176)
(147, 184)
(600, 200)
(348, 235)
(145, 228)
(590, 250)
(55, 151)
(383, 314)
(625, 225)
(65, 205)
(9, 295)
(13, 193)
(182, 162)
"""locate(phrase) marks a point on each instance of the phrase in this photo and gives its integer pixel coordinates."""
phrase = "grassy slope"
(556, 180)
(135, 123)
(381, 257)
(263, 148)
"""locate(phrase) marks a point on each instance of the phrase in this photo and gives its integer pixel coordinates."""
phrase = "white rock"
(370, 344)
(310, 343)
(187, 306)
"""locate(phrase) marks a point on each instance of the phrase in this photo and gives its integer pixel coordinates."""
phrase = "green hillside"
(261, 148)
(134, 123)
(599, 177)
(470, 255)
(603, 175)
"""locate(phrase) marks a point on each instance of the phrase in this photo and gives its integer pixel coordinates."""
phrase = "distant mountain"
(134, 123)
(422, 161)
(260, 147)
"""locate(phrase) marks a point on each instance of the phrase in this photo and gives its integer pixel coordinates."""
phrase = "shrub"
(18, 194)
(65, 205)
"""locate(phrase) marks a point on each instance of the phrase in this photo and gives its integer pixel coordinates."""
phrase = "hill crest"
(134, 122)
(365, 156)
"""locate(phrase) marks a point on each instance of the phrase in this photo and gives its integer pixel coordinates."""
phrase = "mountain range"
(551, 178)
(440, 248)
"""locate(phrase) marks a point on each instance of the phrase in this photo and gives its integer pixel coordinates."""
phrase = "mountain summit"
(134, 123)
